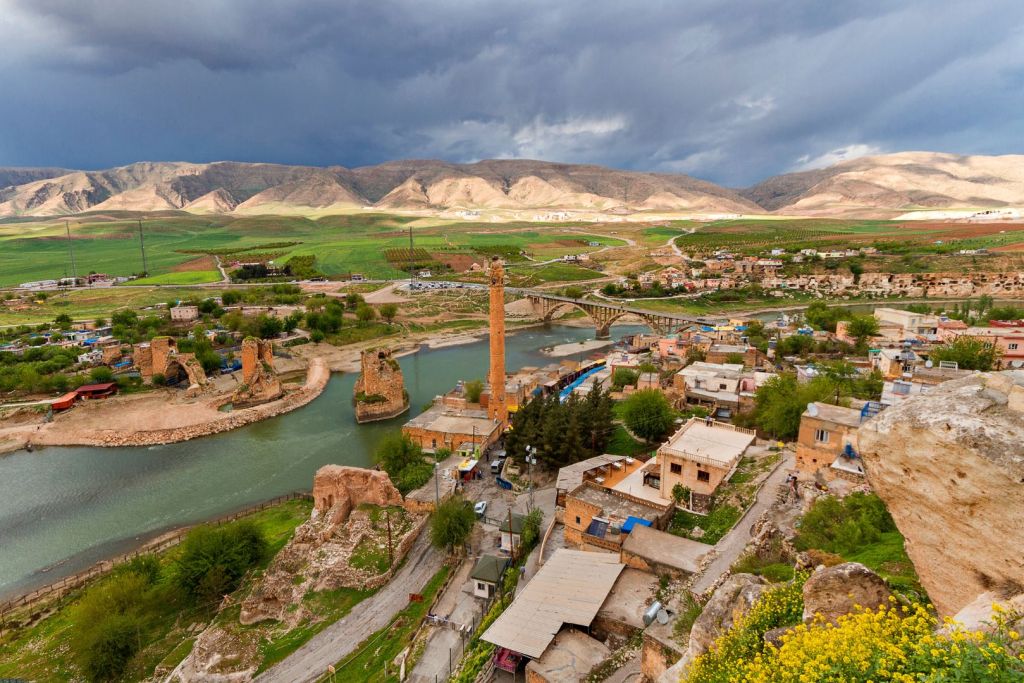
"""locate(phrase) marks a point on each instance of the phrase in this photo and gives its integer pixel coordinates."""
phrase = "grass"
(715, 524)
(622, 443)
(373, 660)
(40, 651)
(888, 558)
(185, 277)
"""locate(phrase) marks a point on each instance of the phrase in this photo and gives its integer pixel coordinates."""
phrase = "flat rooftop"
(613, 506)
(571, 476)
(717, 444)
(633, 484)
(449, 420)
(631, 595)
(568, 589)
(836, 414)
(570, 657)
(666, 549)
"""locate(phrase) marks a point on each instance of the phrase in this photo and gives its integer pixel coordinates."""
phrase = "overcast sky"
(727, 90)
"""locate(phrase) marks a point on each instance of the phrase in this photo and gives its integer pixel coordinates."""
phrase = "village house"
(826, 445)
(511, 530)
(598, 517)
(893, 363)
(1008, 340)
(444, 426)
(184, 314)
(914, 325)
(486, 575)
(699, 457)
(724, 353)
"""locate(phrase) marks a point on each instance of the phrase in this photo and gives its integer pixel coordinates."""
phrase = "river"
(62, 509)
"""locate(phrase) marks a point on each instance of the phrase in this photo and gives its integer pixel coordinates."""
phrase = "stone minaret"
(497, 407)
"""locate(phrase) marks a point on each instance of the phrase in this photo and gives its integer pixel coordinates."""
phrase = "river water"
(62, 509)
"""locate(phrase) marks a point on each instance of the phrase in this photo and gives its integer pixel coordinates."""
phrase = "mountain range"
(874, 186)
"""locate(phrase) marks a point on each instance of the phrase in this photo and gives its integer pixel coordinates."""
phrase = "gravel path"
(342, 637)
(732, 545)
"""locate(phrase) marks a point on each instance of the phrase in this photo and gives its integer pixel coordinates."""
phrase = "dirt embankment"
(153, 418)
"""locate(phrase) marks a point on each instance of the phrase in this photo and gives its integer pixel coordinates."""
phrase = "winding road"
(341, 638)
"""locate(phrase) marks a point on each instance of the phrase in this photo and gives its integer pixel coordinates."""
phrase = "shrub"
(843, 526)
(531, 529)
(158, 379)
(648, 414)
(101, 374)
(474, 388)
(214, 559)
(624, 377)
(452, 523)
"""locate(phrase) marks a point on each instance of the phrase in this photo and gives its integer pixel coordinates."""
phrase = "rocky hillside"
(404, 185)
(892, 183)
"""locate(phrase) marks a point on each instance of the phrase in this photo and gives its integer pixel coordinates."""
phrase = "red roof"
(97, 387)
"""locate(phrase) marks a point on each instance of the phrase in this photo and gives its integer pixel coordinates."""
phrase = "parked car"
(480, 508)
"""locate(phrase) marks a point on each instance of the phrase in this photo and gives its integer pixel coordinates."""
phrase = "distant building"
(486, 575)
(184, 314)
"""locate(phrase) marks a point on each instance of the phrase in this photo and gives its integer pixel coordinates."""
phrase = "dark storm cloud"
(727, 90)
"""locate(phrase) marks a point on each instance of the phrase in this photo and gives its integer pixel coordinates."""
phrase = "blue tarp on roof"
(632, 521)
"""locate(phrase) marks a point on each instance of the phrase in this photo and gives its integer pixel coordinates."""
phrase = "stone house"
(442, 426)
(600, 518)
(184, 314)
(486, 575)
(826, 445)
(721, 353)
(700, 456)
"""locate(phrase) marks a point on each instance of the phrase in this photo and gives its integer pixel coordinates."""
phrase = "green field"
(358, 243)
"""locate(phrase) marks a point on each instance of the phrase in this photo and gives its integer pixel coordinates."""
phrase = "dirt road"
(342, 638)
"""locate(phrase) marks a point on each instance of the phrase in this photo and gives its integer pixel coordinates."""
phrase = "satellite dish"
(928, 364)
(662, 616)
(812, 410)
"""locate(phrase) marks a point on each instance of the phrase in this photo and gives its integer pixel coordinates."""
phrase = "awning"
(632, 521)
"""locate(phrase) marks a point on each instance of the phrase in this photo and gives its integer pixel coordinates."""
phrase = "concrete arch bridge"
(604, 314)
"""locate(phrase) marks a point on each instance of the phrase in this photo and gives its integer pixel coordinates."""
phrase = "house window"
(703, 476)
(433, 443)
(577, 519)
(675, 468)
(821, 435)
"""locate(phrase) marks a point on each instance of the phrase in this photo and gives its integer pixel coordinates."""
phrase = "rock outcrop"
(832, 592)
(729, 602)
(259, 381)
(949, 465)
(379, 393)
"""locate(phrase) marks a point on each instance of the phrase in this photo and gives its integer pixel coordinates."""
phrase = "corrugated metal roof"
(569, 589)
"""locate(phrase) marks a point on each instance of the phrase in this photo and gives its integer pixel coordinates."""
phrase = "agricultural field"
(179, 246)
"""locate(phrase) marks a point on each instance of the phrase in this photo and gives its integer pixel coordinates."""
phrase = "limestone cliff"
(950, 466)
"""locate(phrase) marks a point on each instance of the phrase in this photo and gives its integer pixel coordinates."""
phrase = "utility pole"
(531, 460)
(142, 247)
(412, 264)
(391, 556)
(71, 251)
(511, 539)
(437, 487)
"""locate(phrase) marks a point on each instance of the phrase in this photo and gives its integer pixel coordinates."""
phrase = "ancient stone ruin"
(259, 381)
(950, 466)
(160, 356)
(379, 393)
(321, 549)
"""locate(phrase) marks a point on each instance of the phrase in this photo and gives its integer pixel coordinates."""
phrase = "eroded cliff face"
(950, 466)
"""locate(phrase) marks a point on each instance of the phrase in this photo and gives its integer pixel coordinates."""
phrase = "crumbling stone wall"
(344, 487)
(949, 465)
(379, 393)
(160, 356)
(259, 382)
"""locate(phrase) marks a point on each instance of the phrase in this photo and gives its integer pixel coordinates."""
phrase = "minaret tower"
(497, 407)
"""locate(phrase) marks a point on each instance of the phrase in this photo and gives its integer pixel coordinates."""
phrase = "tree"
(231, 297)
(365, 314)
(735, 358)
(268, 326)
(648, 414)
(779, 402)
(353, 301)
(101, 373)
(100, 322)
(862, 327)
(452, 523)
(402, 458)
(681, 493)
(473, 388)
(388, 312)
(531, 530)
(214, 559)
(624, 377)
(695, 354)
(969, 353)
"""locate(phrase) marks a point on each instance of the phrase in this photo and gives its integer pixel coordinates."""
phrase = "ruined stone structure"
(950, 466)
(904, 284)
(379, 393)
(339, 488)
(160, 356)
(259, 382)
(497, 407)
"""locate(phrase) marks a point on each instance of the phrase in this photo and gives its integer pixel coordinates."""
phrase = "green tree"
(861, 328)
(452, 523)
(402, 458)
(231, 297)
(648, 414)
(101, 373)
(735, 358)
(268, 326)
(969, 353)
(473, 388)
(695, 354)
(213, 560)
(531, 529)
(100, 322)
(353, 301)
(365, 314)
(63, 321)
(779, 402)
(388, 312)
(623, 377)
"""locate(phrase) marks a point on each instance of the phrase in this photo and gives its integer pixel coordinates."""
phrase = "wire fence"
(103, 567)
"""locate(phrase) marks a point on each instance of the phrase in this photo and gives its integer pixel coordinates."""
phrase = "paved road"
(342, 637)
(732, 545)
